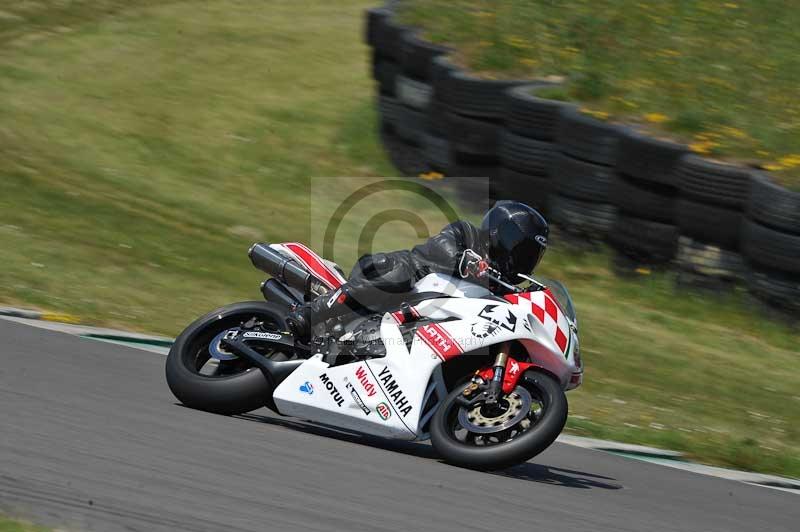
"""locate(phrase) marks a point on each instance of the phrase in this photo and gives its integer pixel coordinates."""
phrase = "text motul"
(337, 397)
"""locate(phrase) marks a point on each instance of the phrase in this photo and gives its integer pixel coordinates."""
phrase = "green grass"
(9, 525)
(143, 152)
(144, 146)
(708, 375)
(722, 76)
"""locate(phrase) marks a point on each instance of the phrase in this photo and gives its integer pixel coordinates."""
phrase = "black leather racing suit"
(376, 276)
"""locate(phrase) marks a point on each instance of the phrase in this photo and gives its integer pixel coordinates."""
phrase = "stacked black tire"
(583, 167)
(710, 212)
(416, 92)
(645, 192)
(382, 35)
(437, 146)
(654, 202)
(400, 121)
(771, 243)
(527, 146)
(473, 123)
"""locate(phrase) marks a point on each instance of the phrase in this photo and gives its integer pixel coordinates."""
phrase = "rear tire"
(232, 394)
(522, 447)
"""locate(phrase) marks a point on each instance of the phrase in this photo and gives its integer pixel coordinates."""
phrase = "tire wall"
(653, 201)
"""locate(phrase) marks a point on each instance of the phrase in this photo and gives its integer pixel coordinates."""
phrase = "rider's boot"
(305, 315)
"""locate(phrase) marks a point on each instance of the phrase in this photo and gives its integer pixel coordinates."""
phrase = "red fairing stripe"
(328, 276)
(561, 340)
(512, 298)
(400, 318)
(550, 308)
(439, 341)
(538, 311)
(550, 293)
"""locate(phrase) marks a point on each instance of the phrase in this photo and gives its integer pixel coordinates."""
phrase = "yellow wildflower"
(790, 161)
(731, 5)
(706, 135)
(517, 42)
(703, 146)
(431, 176)
(529, 62)
(734, 132)
(772, 167)
(602, 115)
(568, 53)
(656, 118)
(626, 103)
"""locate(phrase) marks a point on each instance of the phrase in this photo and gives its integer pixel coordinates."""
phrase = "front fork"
(494, 390)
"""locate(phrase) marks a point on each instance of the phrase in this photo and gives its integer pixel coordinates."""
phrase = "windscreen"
(562, 296)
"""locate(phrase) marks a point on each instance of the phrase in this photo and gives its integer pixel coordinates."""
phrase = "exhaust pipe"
(278, 266)
(274, 290)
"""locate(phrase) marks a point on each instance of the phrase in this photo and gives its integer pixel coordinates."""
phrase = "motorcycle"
(482, 376)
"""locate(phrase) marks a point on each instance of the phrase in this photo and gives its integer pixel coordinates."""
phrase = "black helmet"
(517, 237)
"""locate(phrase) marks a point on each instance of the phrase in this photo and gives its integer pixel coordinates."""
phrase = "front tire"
(514, 444)
(242, 388)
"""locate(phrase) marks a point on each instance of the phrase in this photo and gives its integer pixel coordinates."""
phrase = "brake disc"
(485, 419)
(217, 350)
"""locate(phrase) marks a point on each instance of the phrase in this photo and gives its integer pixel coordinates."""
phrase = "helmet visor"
(526, 256)
(523, 252)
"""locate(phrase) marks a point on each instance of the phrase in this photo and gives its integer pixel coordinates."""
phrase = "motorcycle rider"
(512, 239)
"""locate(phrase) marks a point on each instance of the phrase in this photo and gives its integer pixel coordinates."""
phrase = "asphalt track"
(92, 439)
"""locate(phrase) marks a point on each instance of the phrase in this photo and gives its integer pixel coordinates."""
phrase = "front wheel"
(523, 424)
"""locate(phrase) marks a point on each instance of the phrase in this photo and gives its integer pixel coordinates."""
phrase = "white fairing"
(384, 396)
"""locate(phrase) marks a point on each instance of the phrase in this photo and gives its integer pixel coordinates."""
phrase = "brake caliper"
(513, 371)
(472, 388)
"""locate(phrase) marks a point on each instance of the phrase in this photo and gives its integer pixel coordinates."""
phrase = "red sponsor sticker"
(383, 411)
(365, 381)
(439, 341)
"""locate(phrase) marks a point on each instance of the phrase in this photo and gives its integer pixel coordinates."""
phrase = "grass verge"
(12, 525)
(709, 375)
(142, 150)
(721, 76)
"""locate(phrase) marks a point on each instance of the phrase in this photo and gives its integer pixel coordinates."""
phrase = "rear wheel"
(523, 424)
(202, 375)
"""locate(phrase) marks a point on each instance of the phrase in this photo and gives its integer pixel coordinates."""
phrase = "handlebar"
(472, 264)
(493, 275)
